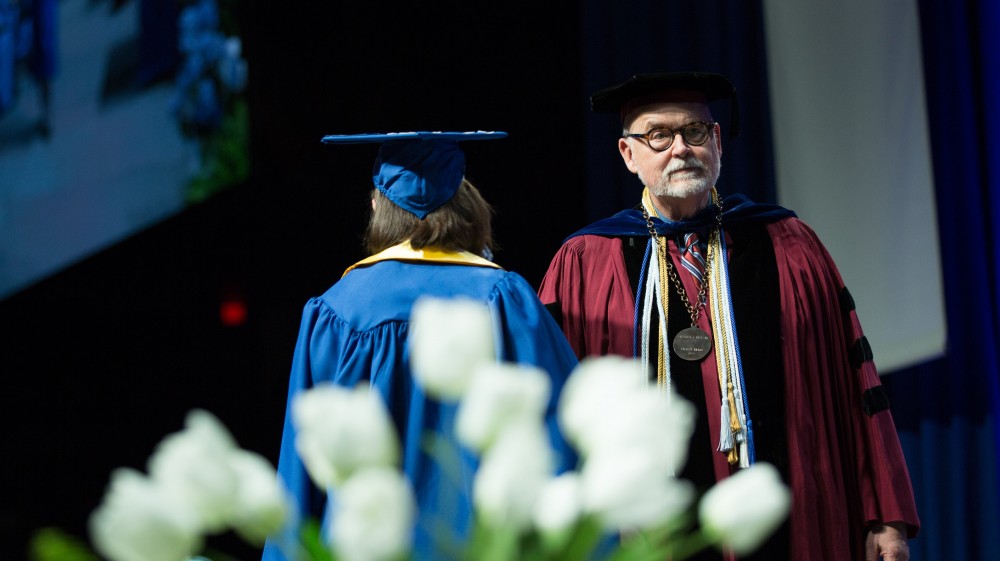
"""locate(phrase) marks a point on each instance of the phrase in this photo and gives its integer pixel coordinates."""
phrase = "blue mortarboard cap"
(419, 171)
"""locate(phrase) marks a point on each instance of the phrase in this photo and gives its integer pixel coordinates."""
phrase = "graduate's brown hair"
(464, 223)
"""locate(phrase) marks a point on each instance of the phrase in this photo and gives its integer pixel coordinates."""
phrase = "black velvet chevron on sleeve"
(846, 301)
(860, 352)
(875, 399)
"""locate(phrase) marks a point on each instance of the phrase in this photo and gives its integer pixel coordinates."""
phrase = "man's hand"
(887, 541)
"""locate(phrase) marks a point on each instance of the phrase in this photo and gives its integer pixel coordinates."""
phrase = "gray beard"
(680, 190)
(663, 187)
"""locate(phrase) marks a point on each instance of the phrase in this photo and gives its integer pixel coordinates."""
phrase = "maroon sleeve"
(846, 465)
(588, 286)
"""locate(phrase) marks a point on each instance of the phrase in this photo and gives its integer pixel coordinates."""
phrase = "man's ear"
(626, 151)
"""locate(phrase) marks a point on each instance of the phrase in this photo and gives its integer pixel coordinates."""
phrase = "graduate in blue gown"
(429, 235)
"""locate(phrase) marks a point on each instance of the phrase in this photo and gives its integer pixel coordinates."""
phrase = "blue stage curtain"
(948, 411)
(621, 39)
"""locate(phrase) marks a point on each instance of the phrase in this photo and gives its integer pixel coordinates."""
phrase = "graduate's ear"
(626, 151)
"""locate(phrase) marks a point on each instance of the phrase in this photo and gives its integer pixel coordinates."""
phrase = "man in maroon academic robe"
(764, 311)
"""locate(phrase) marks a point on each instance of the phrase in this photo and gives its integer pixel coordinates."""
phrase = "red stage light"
(233, 313)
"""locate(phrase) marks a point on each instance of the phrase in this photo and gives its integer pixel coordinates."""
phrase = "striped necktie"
(692, 257)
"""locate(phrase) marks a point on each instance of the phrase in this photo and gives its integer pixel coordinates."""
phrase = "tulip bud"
(498, 396)
(340, 430)
(448, 339)
(743, 510)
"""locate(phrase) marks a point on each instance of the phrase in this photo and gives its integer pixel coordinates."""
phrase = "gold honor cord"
(733, 433)
(652, 299)
(663, 358)
(723, 362)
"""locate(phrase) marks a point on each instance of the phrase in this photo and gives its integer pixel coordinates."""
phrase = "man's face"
(682, 170)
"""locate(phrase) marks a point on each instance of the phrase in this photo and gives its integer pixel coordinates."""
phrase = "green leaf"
(494, 544)
(313, 543)
(584, 540)
(52, 544)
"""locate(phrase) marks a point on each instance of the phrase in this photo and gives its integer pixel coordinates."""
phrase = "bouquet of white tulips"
(631, 440)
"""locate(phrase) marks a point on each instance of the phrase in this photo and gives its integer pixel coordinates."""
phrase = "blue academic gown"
(356, 333)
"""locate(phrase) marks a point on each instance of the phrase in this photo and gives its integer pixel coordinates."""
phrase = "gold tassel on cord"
(661, 363)
(734, 424)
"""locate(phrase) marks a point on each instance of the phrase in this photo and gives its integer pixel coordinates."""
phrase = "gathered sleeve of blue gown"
(532, 337)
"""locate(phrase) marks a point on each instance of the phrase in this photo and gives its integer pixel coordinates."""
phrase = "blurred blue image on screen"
(114, 115)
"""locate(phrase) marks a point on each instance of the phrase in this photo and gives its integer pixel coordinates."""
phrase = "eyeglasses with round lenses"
(695, 133)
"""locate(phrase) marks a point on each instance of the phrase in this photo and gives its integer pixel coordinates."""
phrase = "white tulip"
(448, 339)
(743, 510)
(606, 405)
(139, 520)
(596, 384)
(341, 430)
(559, 505)
(263, 503)
(647, 420)
(193, 464)
(374, 515)
(512, 474)
(500, 395)
(628, 489)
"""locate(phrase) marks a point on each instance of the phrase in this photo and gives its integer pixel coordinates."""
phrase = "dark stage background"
(104, 358)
